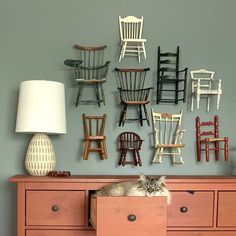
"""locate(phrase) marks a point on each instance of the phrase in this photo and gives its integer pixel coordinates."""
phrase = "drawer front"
(55, 208)
(201, 233)
(190, 209)
(139, 216)
(226, 209)
(60, 233)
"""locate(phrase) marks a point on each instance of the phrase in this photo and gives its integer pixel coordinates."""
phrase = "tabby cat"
(145, 186)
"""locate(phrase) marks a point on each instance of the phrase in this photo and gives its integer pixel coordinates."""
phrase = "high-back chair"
(90, 70)
(132, 43)
(130, 141)
(167, 135)
(204, 85)
(133, 92)
(207, 137)
(94, 127)
(171, 82)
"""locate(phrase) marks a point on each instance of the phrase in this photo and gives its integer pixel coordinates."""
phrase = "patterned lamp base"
(40, 156)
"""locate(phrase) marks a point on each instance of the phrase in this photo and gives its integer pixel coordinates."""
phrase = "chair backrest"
(131, 84)
(94, 125)
(202, 78)
(166, 127)
(130, 140)
(168, 64)
(130, 27)
(207, 129)
(92, 66)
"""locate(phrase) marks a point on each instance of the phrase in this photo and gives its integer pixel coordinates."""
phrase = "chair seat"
(96, 138)
(91, 81)
(133, 40)
(135, 102)
(170, 145)
(212, 140)
(209, 92)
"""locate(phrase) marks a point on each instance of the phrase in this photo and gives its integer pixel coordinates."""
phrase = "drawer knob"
(55, 208)
(131, 217)
(183, 209)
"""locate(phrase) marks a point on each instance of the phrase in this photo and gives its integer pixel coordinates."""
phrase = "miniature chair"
(167, 135)
(94, 133)
(129, 141)
(207, 135)
(171, 82)
(132, 43)
(90, 70)
(133, 93)
(202, 85)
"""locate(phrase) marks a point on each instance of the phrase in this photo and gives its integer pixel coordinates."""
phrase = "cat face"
(151, 186)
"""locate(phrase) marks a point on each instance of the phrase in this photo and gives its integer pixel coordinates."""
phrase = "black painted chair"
(133, 92)
(171, 82)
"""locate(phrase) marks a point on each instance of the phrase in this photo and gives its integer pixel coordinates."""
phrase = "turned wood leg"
(207, 149)
(217, 145)
(226, 151)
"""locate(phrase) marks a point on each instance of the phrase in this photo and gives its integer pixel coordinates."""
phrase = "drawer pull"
(131, 217)
(55, 208)
(183, 209)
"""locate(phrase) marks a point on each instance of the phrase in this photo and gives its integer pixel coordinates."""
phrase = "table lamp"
(41, 111)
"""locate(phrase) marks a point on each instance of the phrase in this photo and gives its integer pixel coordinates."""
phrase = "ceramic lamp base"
(40, 156)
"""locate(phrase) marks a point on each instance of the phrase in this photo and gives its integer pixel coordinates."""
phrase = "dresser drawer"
(60, 233)
(139, 216)
(201, 233)
(191, 208)
(226, 209)
(55, 208)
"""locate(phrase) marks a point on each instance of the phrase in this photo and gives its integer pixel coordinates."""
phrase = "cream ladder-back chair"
(132, 43)
(167, 136)
(202, 85)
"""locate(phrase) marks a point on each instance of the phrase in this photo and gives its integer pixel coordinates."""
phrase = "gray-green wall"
(36, 37)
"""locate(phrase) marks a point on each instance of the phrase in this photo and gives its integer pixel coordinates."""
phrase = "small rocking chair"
(209, 139)
(129, 141)
(167, 136)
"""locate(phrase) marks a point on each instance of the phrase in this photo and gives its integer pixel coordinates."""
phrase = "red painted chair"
(129, 141)
(207, 136)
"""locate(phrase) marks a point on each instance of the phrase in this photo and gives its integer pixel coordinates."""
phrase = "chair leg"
(100, 145)
(123, 115)
(98, 95)
(161, 154)
(102, 93)
(198, 101)
(121, 52)
(140, 115)
(226, 152)
(198, 151)
(79, 94)
(86, 149)
(139, 52)
(144, 50)
(154, 159)
(139, 158)
(208, 103)
(146, 114)
(218, 102)
(216, 150)
(207, 149)
(192, 103)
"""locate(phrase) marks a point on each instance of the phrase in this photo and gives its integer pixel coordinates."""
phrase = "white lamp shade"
(41, 107)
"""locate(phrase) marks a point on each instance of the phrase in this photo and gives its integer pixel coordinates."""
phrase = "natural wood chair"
(133, 92)
(167, 136)
(90, 70)
(203, 86)
(132, 43)
(207, 136)
(171, 82)
(130, 141)
(94, 127)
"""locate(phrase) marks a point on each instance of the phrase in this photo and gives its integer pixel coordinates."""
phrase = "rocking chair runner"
(94, 127)
(167, 136)
(209, 139)
(90, 70)
(130, 141)
(133, 92)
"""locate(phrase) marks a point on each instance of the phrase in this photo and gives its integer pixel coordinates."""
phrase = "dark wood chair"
(171, 82)
(94, 127)
(130, 141)
(90, 70)
(207, 136)
(133, 92)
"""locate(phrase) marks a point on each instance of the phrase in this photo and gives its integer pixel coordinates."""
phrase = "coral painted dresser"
(49, 206)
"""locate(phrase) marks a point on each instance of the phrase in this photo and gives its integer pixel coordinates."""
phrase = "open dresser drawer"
(119, 216)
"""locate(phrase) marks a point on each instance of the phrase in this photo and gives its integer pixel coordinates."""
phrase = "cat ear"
(161, 180)
(142, 177)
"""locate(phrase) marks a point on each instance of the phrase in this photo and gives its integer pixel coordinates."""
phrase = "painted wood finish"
(201, 205)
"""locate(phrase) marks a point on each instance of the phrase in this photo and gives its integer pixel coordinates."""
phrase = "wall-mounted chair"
(94, 127)
(130, 141)
(132, 43)
(167, 136)
(171, 82)
(133, 92)
(207, 137)
(203, 86)
(90, 70)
